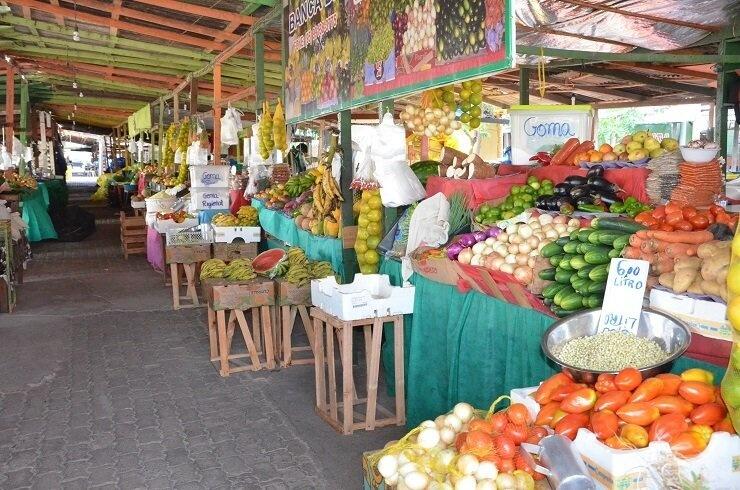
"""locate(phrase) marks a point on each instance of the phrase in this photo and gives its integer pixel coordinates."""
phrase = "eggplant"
(580, 191)
(552, 203)
(575, 180)
(602, 182)
(605, 197)
(561, 200)
(562, 189)
(585, 200)
(595, 171)
(540, 202)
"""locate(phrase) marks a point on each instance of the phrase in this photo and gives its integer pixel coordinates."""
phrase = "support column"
(349, 258)
(523, 86)
(176, 108)
(217, 113)
(161, 131)
(193, 96)
(23, 135)
(725, 78)
(9, 106)
(259, 67)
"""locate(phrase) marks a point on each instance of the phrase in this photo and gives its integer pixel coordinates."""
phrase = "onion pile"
(420, 30)
(515, 249)
(430, 122)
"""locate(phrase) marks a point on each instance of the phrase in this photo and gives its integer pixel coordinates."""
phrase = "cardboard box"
(439, 269)
(187, 254)
(368, 296)
(707, 318)
(371, 479)
(231, 251)
(209, 198)
(290, 294)
(229, 234)
(209, 176)
(230, 295)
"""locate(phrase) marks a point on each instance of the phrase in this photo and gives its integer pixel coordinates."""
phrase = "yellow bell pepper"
(697, 374)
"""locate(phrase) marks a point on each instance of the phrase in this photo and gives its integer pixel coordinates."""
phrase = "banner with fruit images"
(347, 53)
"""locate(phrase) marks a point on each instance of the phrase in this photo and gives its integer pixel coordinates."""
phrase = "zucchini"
(571, 247)
(584, 233)
(562, 294)
(596, 258)
(578, 262)
(616, 224)
(547, 274)
(559, 312)
(596, 287)
(599, 273)
(583, 272)
(571, 302)
(551, 290)
(593, 300)
(621, 242)
(550, 250)
(555, 259)
(563, 276)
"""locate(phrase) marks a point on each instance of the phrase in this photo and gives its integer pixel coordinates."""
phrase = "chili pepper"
(592, 208)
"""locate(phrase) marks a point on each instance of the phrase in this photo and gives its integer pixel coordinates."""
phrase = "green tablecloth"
(316, 247)
(36, 216)
(58, 193)
(471, 347)
(393, 269)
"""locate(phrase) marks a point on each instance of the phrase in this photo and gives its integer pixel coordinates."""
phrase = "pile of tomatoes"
(672, 217)
(497, 438)
(627, 412)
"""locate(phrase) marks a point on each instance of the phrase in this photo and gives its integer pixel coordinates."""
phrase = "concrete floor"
(103, 385)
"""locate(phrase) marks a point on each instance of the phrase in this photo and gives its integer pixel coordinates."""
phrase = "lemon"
(733, 276)
(366, 195)
(372, 257)
(360, 246)
(373, 228)
(362, 221)
(373, 242)
(736, 246)
(733, 311)
(374, 215)
(375, 203)
(364, 208)
(367, 269)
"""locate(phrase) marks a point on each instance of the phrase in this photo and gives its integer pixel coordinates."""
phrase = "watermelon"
(268, 260)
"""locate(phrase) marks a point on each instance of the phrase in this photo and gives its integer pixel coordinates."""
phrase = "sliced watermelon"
(268, 260)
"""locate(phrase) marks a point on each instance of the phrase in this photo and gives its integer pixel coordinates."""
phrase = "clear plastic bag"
(229, 129)
(259, 179)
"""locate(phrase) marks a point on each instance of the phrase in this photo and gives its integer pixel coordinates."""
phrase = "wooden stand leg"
(267, 335)
(398, 342)
(174, 275)
(277, 334)
(367, 330)
(190, 278)
(306, 320)
(318, 329)
(347, 381)
(223, 348)
(372, 375)
(256, 328)
(331, 368)
(251, 348)
(286, 326)
(212, 333)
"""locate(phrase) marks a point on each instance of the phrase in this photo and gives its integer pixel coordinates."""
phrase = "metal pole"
(259, 67)
(523, 86)
(161, 131)
(217, 113)
(349, 258)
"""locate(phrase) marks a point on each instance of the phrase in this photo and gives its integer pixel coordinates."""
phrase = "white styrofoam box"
(368, 296)
(161, 205)
(138, 204)
(715, 467)
(539, 128)
(164, 225)
(522, 395)
(150, 219)
(209, 198)
(227, 234)
(209, 176)
(707, 318)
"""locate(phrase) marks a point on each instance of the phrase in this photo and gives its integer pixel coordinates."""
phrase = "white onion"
(486, 485)
(551, 234)
(535, 225)
(521, 259)
(574, 223)
(533, 242)
(497, 263)
(512, 228)
(490, 241)
(560, 228)
(545, 219)
(531, 262)
(507, 268)
(416, 480)
(513, 249)
(447, 435)
(503, 237)
(524, 248)
(408, 468)
(446, 456)
(391, 480)
(467, 464)
(454, 421)
(540, 235)
(487, 251)
(440, 421)
(486, 471)
(523, 274)
(510, 259)
(478, 248)
(525, 231)
(560, 219)
(516, 239)
(505, 481)
(464, 411)
(467, 482)
(427, 423)
(428, 438)
(388, 465)
(477, 259)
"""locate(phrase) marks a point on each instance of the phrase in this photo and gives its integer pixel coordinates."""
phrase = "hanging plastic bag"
(197, 155)
(399, 185)
(132, 146)
(429, 226)
(6, 161)
(393, 138)
(229, 131)
(259, 179)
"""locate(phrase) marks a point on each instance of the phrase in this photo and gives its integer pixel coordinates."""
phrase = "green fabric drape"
(393, 269)
(316, 247)
(36, 216)
(58, 193)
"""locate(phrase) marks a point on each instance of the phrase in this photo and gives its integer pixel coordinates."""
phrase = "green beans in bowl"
(573, 344)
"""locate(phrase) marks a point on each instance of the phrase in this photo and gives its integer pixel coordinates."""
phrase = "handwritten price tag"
(625, 288)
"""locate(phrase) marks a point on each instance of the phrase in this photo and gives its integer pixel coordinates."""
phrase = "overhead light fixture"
(7, 59)
(23, 77)
(75, 35)
(81, 94)
(74, 107)
(74, 84)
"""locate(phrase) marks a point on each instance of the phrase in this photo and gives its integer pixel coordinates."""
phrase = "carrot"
(582, 148)
(635, 240)
(649, 246)
(565, 152)
(632, 252)
(687, 237)
(664, 264)
(680, 249)
(643, 234)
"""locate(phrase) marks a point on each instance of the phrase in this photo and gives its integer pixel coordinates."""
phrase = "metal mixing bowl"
(668, 332)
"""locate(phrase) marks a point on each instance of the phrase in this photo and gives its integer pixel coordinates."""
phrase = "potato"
(683, 280)
(714, 264)
(687, 263)
(706, 250)
(711, 287)
(666, 279)
(696, 286)
(722, 275)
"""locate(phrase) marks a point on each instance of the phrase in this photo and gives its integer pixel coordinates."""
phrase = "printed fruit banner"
(347, 53)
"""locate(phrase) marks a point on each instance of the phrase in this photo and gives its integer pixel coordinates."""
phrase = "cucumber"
(562, 294)
(584, 233)
(599, 273)
(580, 284)
(551, 290)
(550, 250)
(574, 234)
(555, 259)
(578, 262)
(621, 225)
(547, 274)
(559, 312)
(571, 302)
(562, 241)
(547, 301)
(621, 242)
(571, 247)
(607, 237)
(563, 276)
(583, 272)
(596, 287)
(596, 258)
(614, 253)
(592, 247)
(593, 301)
(565, 263)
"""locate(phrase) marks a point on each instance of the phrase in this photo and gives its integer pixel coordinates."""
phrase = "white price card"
(625, 288)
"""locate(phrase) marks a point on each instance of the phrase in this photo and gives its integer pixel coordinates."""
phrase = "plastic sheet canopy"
(570, 18)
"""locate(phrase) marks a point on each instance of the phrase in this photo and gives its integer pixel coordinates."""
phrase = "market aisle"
(104, 384)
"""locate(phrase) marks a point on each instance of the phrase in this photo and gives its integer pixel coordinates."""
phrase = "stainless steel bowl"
(668, 332)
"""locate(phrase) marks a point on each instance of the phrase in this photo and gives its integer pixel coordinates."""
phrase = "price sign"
(625, 289)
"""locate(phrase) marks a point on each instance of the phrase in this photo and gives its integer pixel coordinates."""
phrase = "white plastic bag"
(231, 124)
(6, 161)
(389, 141)
(197, 155)
(429, 226)
(399, 185)
(132, 146)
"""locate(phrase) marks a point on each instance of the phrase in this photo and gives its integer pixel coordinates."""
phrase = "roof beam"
(670, 69)
(27, 15)
(127, 26)
(545, 30)
(655, 82)
(57, 17)
(637, 15)
(210, 12)
(114, 14)
(639, 57)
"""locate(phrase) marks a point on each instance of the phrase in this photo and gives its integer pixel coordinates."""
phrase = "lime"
(372, 257)
(465, 117)
(528, 189)
(547, 182)
(466, 106)
(360, 246)
(475, 111)
(476, 86)
(484, 209)
(474, 122)
(505, 207)
(476, 99)
(375, 202)
(531, 179)
(362, 221)
(464, 94)
(374, 215)
(362, 234)
(518, 210)
(373, 242)
(507, 215)
(364, 208)
(467, 84)
(479, 218)
(449, 97)
(367, 269)
(374, 229)
(518, 202)
(515, 190)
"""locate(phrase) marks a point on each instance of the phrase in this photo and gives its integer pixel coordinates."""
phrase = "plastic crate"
(200, 235)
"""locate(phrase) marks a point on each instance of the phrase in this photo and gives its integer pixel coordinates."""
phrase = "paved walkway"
(103, 385)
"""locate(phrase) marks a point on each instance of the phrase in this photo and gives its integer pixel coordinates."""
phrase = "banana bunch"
(320, 269)
(326, 193)
(212, 268)
(298, 184)
(297, 267)
(279, 130)
(247, 216)
(239, 270)
(224, 219)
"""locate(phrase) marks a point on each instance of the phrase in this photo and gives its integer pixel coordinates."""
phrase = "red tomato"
(604, 424)
(708, 414)
(616, 442)
(568, 426)
(605, 383)
(640, 413)
(699, 222)
(635, 435)
(704, 431)
(561, 392)
(696, 392)
(723, 218)
(556, 417)
(666, 427)
(671, 382)
(715, 210)
(628, 379)
(672, 404)
(648, 389)
(683, 225)
(665, 227)
(542, 395)
(659, 212)
(672, 207)
(673, 218)
(645, 216)
(689, 212)
(518, 414)
(517, 433)
(724, 425)
(544, 416)
(505, 447)
(687, 444)
(611, 401)
(579, 401)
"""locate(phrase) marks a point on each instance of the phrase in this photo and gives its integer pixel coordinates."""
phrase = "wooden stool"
(133, 235)
(324, 367)
(292, 302)
(235, 299)
(185, 259)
